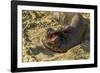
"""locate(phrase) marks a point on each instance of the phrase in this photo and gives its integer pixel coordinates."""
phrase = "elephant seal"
(70, 36)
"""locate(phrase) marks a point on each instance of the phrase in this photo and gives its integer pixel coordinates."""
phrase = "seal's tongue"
(53, 38)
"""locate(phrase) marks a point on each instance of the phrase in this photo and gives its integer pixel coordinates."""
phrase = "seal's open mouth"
(53, 39)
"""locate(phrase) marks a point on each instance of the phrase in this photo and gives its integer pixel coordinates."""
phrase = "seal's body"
(75, 32)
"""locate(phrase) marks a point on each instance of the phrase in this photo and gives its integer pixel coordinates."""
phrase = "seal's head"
(51, 36)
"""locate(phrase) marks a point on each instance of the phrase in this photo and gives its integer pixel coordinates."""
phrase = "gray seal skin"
(75, 33)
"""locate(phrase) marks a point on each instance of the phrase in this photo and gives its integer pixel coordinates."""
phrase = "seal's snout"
(50, 33)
